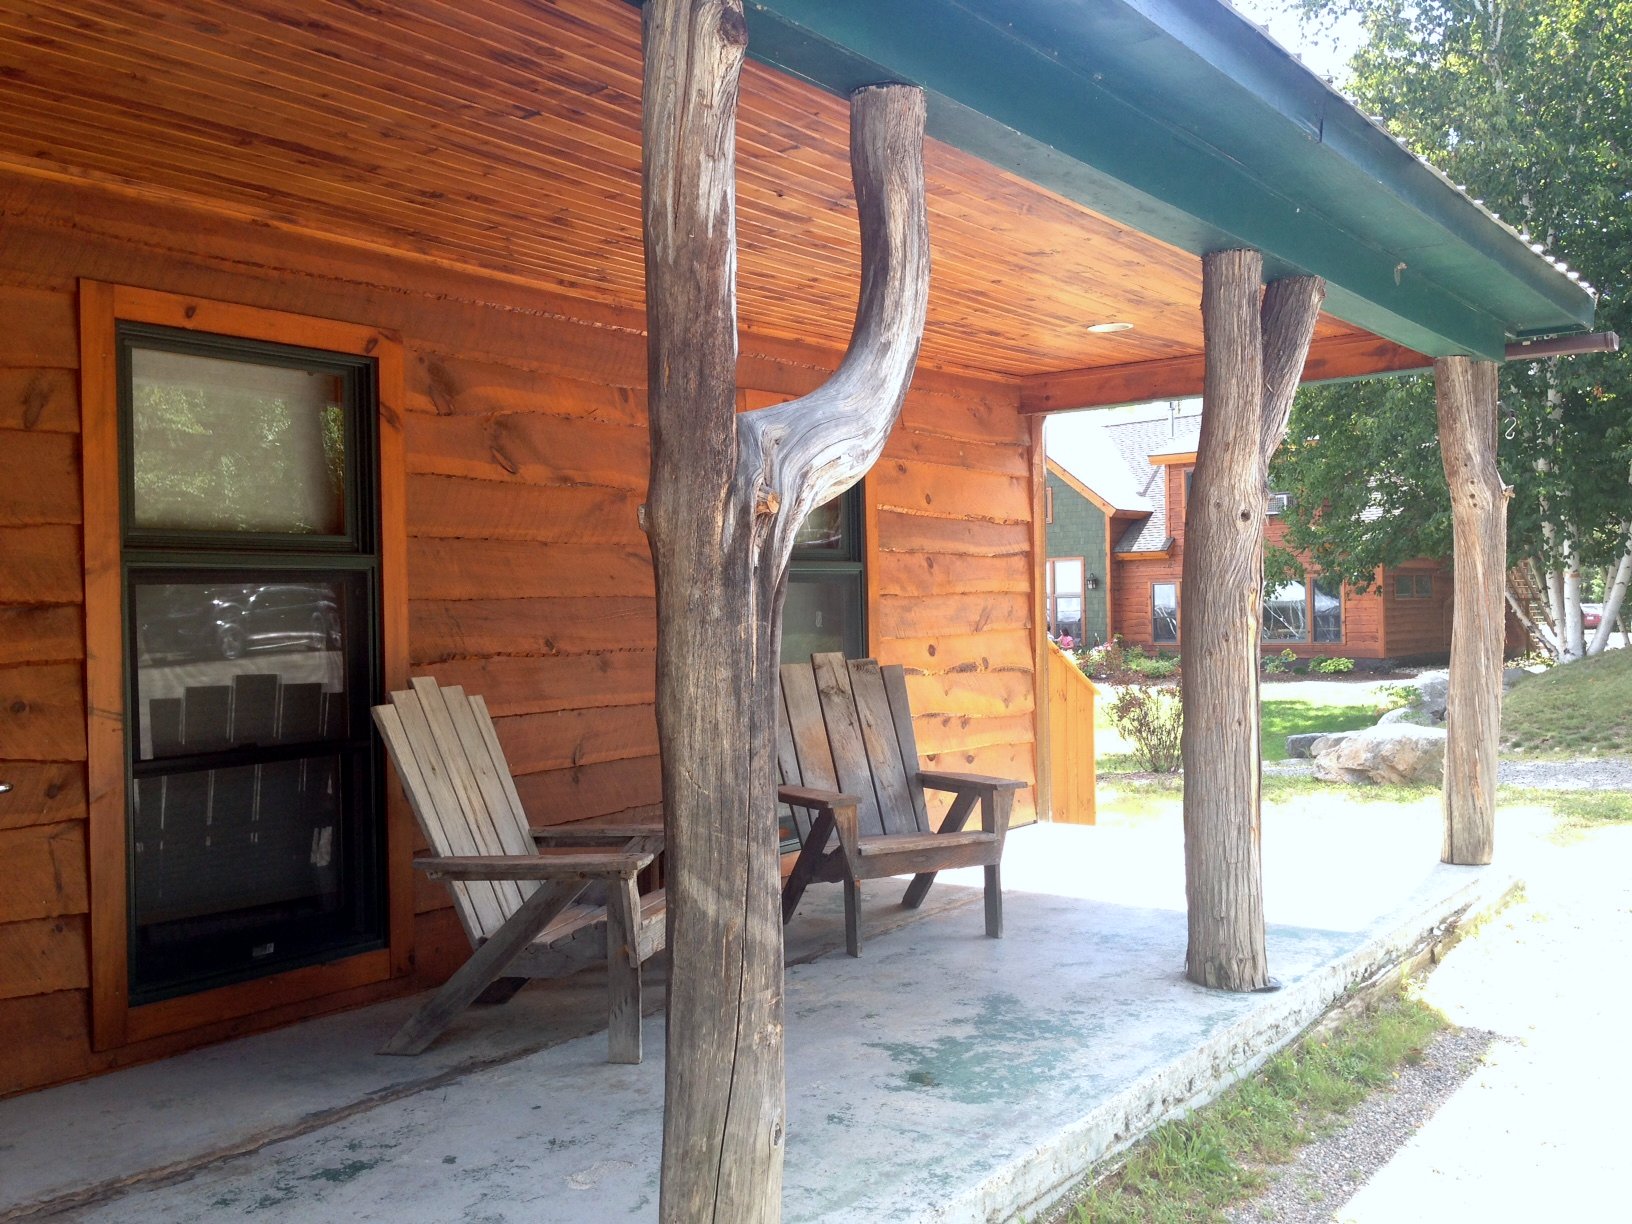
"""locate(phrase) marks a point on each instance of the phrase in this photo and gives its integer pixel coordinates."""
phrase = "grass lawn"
(1578, 709)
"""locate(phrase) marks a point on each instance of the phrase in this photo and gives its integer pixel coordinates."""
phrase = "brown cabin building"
(323, 363)
(1133, 476)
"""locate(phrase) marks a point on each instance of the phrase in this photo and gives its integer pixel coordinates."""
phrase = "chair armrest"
(815, 800)
(650, 837)
(607, 866)
(959, 782)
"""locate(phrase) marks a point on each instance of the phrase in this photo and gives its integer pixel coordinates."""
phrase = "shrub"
(1151, 719)
(1279, 665)
(1105, 662)
(1159, 667)
(1334, 666)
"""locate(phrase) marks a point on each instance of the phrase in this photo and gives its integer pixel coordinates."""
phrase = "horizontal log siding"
(1130, 593)
(1417, 627)
(529, 577)
(952, 580)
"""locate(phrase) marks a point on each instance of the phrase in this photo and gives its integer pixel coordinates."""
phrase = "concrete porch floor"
(942, 1077)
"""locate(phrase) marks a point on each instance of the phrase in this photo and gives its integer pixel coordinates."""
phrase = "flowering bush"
(1151, 719)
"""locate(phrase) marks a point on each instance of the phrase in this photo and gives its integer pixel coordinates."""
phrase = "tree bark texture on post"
(1465, 396)
(727, 493)
(1256, 342)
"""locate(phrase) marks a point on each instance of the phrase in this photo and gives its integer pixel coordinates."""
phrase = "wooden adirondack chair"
(849, 767)
(521, 908)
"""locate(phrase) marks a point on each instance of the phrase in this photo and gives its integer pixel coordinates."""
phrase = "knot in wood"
(767, 503)
(733, 26)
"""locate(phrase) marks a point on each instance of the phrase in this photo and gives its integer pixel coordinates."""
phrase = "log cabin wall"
(1417, 627)
(1363, 614)
(529, 579)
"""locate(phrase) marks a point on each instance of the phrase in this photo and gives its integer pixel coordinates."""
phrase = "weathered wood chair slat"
(850, 774)
(522, 908)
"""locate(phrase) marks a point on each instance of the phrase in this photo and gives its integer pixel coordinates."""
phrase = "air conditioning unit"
(1278, 502)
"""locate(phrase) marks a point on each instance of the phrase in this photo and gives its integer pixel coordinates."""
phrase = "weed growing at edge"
(1187, 1171)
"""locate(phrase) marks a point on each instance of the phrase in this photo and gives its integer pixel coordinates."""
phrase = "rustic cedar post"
(727, 494)
(1254, 358)
(1465, 395)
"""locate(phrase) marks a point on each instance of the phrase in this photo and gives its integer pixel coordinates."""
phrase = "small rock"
(1300, 746)
(1398, 752)
(1512, 675)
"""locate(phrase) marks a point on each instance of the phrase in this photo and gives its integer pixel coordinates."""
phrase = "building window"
(1065, 587)
(1308, 611)
(826, 605)
(1413, 586)
(251, 586)
(1164, 612)
(1326, 599)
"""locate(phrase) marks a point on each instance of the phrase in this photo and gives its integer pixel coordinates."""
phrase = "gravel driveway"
(1590, 773)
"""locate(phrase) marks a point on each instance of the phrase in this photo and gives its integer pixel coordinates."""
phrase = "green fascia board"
(1178, 118)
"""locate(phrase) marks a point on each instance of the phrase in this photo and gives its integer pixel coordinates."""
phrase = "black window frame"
(151, 555)
(844, 567)
(1178, 628)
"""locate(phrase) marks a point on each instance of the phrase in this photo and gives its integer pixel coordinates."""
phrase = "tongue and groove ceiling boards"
(504, 136)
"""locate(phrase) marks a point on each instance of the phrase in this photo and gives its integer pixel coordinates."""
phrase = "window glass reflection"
(239, 664)
(221, 445)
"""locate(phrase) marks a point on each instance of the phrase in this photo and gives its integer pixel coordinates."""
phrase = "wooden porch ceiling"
(505, 136)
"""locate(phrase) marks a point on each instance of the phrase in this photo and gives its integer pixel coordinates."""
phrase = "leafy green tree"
(1529, 102)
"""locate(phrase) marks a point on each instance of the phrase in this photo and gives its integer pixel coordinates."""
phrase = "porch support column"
(1256, 342)
(728, 492)
(1465, 396)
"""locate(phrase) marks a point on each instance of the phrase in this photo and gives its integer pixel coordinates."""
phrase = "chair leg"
(917, 890)
(994, 901)
(804, 867)
(485, 964)
(852, 915)
(622, 972)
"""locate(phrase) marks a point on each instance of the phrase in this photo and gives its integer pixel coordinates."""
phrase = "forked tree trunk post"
(727, 494)
(1465, 396)
(1256, 342)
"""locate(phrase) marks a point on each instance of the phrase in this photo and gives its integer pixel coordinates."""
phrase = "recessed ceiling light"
(1103, 328)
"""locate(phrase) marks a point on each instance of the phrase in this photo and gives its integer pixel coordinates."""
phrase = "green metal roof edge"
(1166, 115)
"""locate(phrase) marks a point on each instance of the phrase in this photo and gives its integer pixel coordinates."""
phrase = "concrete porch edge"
(1039, 1182)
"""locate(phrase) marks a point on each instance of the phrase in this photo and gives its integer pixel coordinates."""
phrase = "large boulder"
(1407, 714)
(1300, 746)
(1433, 693)
(1395, 752)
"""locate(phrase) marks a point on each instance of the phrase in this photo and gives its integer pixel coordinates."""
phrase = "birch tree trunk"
(1255, 352)
(1465, 396)
(727, 494)
(1614, 596)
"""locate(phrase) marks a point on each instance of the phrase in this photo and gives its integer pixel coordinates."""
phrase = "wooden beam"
(728, 492)
(1182, 377)
(1465, 396)
(1254, 351)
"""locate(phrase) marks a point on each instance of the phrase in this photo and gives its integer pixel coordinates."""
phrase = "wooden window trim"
(114, 1022)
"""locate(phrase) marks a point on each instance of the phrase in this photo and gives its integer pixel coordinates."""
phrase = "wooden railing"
(1071, 697)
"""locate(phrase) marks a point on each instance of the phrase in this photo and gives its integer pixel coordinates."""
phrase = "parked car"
(196, 621)
(1592, 615)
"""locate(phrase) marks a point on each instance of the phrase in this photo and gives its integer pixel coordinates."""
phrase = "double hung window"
(251, 585)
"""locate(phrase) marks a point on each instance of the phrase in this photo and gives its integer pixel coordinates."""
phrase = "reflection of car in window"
(201, 622)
